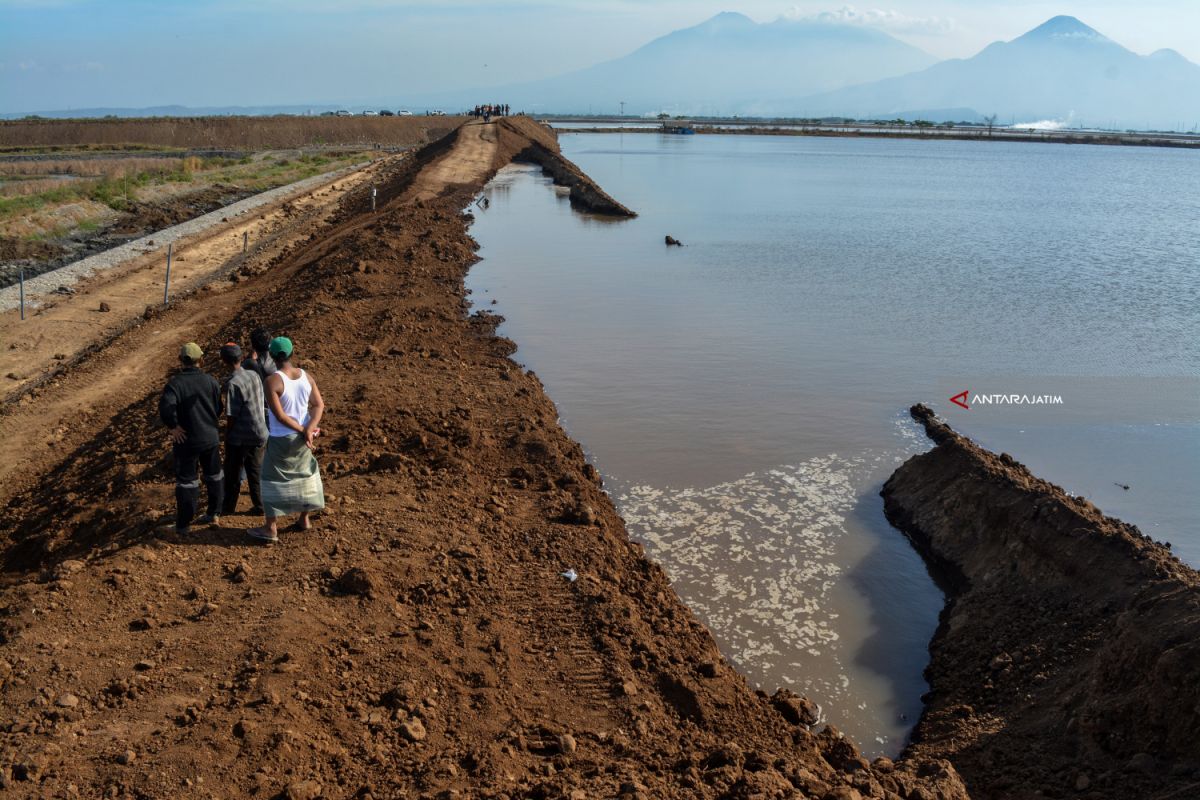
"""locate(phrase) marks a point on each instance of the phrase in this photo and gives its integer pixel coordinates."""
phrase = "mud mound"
(422, 640)
(148, 217)
(14, 249)
(1066, 658)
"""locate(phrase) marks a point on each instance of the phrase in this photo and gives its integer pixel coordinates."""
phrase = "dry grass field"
(69, 188)
(226, 133)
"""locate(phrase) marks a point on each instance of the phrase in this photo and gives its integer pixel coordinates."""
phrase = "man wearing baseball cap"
(190, 406)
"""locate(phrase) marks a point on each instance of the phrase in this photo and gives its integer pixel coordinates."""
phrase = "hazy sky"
(58, 54)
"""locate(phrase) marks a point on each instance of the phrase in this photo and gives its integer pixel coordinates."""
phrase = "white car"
(438, 113)
(370, 114)
(404, 112)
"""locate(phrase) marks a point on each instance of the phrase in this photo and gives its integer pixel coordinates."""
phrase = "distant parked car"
(343, 113)
(383, 112)
(369, 114)
(404, 112)
(326, 113)
(438, 113)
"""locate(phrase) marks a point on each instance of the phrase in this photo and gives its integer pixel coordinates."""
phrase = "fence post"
(167, 285)
(22, 279)
(245, 239)
(373, 192)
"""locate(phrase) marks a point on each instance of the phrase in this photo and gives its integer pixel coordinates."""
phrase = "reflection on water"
(744, 395)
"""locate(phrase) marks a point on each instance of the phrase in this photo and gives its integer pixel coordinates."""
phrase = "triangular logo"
(960, 399)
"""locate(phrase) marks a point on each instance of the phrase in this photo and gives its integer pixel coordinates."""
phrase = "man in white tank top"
(291, 478)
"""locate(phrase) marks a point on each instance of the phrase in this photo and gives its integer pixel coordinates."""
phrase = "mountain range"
(1061, 70)
(1060, 73)
(726, 65)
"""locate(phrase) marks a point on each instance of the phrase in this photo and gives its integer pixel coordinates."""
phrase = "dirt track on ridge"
(420, 641)
(473, 157)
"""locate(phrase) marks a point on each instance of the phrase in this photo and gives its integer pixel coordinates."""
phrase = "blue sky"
(58, 54)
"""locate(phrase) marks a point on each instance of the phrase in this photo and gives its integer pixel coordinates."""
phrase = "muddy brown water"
(745, 395)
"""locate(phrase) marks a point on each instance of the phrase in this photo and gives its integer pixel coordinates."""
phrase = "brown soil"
(1066, 660)
(237, 133)
(147, 217)
(14, 249)
(420, 641)
(584, 193)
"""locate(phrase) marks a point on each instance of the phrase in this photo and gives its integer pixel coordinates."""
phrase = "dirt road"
(422, 640)
(467, 164)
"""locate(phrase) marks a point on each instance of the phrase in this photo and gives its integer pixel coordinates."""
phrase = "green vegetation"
(31, 202)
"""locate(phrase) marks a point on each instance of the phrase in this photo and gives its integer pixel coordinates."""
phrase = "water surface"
(745, 396)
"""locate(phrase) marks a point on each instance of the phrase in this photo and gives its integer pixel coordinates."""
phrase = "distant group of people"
(490, 110)
(273, 410)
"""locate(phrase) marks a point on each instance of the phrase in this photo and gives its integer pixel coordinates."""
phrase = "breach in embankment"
(541, 148)
(1065, 664)
(468, 616)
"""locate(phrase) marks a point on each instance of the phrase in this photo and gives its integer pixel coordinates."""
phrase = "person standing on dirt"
(190, 407)
(259, 361)
(246, 433)
(291, 479)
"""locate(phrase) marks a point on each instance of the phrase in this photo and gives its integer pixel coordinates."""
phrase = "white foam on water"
(763, 548)
(757, 559)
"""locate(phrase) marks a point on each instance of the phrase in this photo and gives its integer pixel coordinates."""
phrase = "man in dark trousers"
(246, 434)
(190, 407)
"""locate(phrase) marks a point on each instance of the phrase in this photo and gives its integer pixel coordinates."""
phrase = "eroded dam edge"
(1065, 659)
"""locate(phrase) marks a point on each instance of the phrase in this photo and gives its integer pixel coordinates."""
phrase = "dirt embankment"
(421, 640)
(1066, 660)
(227, 133)
(542, 149)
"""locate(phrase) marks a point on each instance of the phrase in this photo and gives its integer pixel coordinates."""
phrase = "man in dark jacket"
(246, 433)
(190, 406)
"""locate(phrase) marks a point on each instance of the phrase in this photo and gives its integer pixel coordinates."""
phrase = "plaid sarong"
(291, 480)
